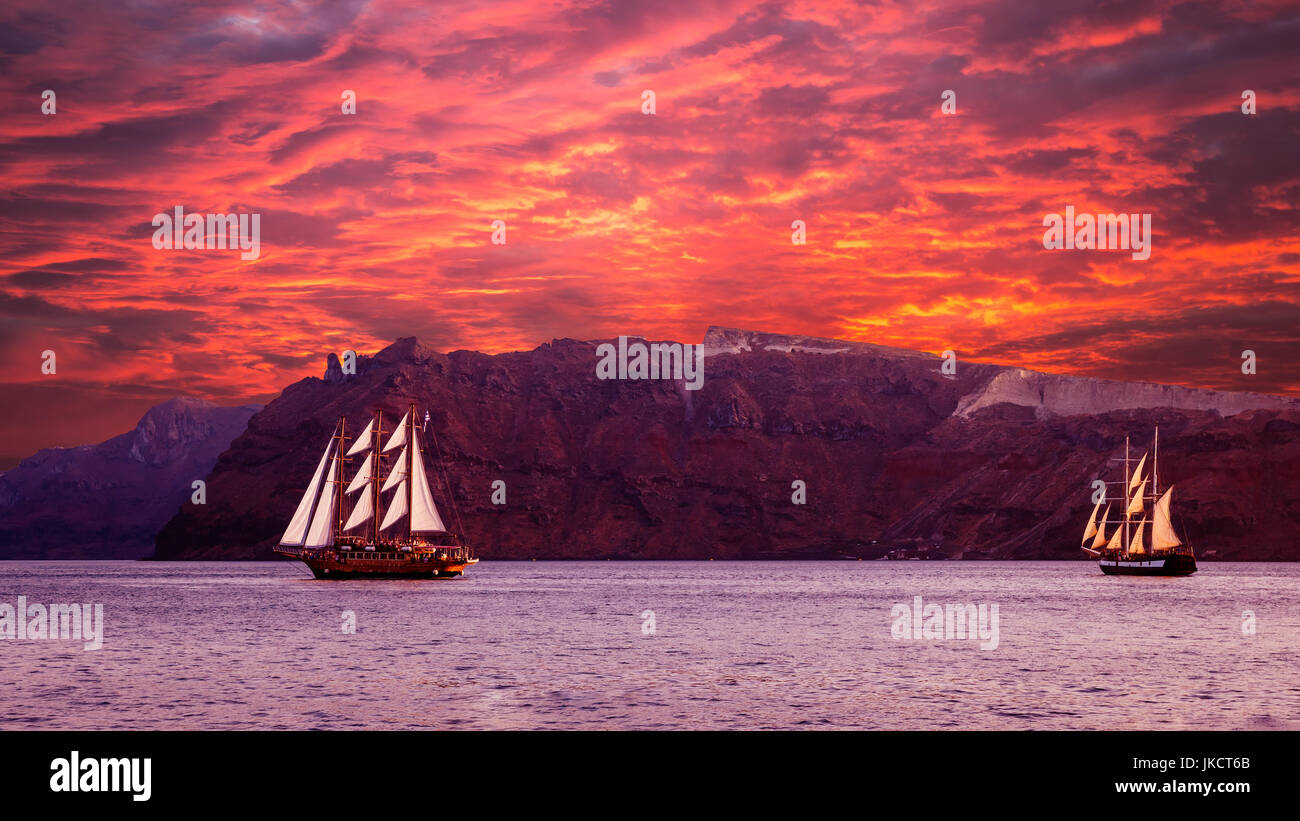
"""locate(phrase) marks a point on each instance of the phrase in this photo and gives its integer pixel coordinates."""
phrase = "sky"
(924, 227)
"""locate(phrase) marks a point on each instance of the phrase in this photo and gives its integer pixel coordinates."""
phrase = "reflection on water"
(735, 645)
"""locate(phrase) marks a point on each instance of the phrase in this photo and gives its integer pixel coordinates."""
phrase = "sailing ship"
(344, 529)
(1129, 551)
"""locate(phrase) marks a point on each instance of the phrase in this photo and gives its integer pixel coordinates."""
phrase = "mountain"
(107, 501)
(990, 460)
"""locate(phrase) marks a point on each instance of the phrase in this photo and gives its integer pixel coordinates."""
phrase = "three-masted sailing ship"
(345, 530)
(1129, 550)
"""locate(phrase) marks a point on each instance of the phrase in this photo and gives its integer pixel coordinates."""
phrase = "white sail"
(1162, 529)
(397, 509)
(399, 436)
(1137, 474)
(1135, 506)
(1135, 546)
(1091, 529)
(397, 474)
(424, 513)
(363, 476)
(363, 441)
(296, 533)
(361, 513)
(1100, 539)
(1116, 541)
(321, 533)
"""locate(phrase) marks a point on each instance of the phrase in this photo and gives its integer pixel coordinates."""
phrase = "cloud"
(924, 230)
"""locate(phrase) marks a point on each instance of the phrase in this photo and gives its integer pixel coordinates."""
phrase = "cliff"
(893, 452)
(107, 501)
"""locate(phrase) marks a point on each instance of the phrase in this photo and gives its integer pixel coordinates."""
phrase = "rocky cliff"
(989, 460)
(107, 501)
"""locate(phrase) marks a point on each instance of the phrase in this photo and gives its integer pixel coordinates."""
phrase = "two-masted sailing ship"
(1133, 548)
(346, 530)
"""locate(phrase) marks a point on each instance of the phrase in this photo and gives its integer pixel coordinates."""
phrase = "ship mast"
(338, 505)
(410, 475)
(1127, 501)
(1155, 467)
(378, 450)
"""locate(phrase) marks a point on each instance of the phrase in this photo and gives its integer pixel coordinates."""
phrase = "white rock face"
(718, 340)
(1054, 395)
(1048, 394)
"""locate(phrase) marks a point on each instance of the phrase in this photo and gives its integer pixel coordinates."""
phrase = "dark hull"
(1176, 564)
(327, 571)
(328, 563)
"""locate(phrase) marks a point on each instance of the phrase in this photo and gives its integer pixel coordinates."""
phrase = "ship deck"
(345, 563)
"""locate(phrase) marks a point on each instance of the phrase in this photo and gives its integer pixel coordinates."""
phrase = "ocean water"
(736, 645)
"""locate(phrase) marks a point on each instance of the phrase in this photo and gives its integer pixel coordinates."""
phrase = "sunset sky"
(924, 229)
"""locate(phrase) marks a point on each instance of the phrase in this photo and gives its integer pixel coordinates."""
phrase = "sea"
(710, 645)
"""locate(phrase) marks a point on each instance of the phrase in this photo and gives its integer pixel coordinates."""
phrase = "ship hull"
(1178, 564)
(341, 565)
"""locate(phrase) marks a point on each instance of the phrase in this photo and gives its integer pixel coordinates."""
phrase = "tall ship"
(1138, 544)
(383, 523)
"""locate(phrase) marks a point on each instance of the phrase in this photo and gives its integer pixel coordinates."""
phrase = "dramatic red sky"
(924, 229)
